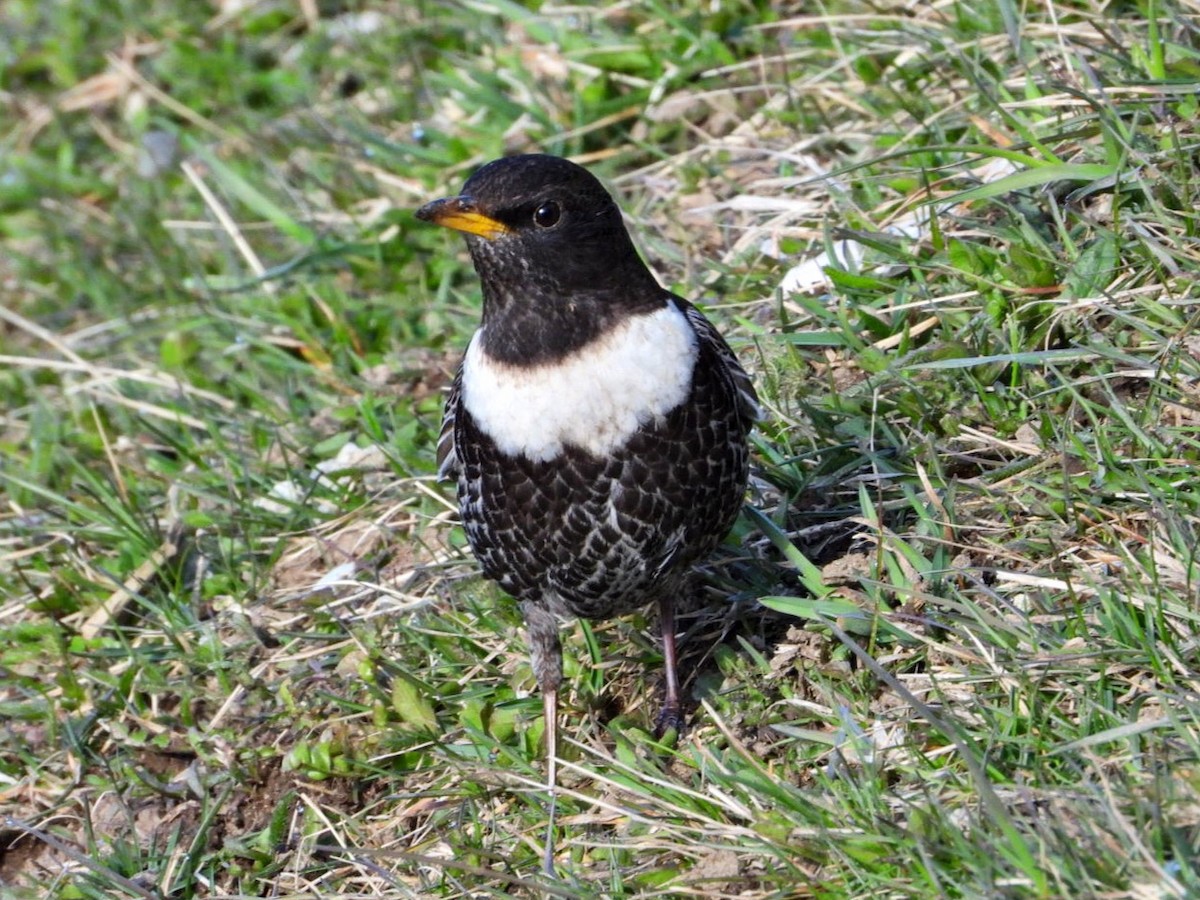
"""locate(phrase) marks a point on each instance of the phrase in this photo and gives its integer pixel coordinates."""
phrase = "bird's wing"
(743, 387)
(447, 456)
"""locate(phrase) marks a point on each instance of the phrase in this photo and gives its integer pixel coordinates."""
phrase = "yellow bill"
(460, 214)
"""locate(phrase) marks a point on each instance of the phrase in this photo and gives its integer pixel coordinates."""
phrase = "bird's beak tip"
(462, 214)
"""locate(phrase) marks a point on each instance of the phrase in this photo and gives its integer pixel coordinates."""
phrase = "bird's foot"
(669, 722)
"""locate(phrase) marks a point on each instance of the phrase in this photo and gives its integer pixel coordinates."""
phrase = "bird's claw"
(670, 719)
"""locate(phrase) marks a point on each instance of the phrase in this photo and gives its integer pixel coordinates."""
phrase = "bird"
(597, 426)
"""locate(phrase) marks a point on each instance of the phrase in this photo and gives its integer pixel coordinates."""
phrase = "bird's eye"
(547, 214)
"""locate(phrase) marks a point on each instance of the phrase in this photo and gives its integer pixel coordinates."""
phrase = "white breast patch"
(594, 400)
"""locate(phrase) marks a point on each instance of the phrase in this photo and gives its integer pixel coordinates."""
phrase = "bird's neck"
(519, 332)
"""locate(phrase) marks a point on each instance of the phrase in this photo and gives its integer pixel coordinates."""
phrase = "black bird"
(597, 424)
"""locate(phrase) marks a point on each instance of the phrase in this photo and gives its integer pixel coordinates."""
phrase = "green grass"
(239, 657)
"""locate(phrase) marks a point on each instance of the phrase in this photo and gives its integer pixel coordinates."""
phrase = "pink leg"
(671, 716)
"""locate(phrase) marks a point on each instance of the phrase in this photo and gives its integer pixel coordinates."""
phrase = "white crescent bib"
(595, 399)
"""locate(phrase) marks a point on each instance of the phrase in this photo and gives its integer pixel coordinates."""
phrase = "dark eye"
(547, 215)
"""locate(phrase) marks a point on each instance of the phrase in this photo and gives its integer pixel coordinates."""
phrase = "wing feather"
(447, 454)
(739, 382)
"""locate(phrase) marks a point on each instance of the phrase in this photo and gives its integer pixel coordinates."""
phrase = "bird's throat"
(521, 333)
(536, 312)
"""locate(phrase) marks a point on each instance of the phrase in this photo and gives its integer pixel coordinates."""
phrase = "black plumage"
(611, 519)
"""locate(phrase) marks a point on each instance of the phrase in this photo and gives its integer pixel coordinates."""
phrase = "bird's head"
(551, 250)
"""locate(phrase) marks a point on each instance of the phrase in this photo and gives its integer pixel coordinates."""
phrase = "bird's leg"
(545, 655)
(550, 710)
(670, 717)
